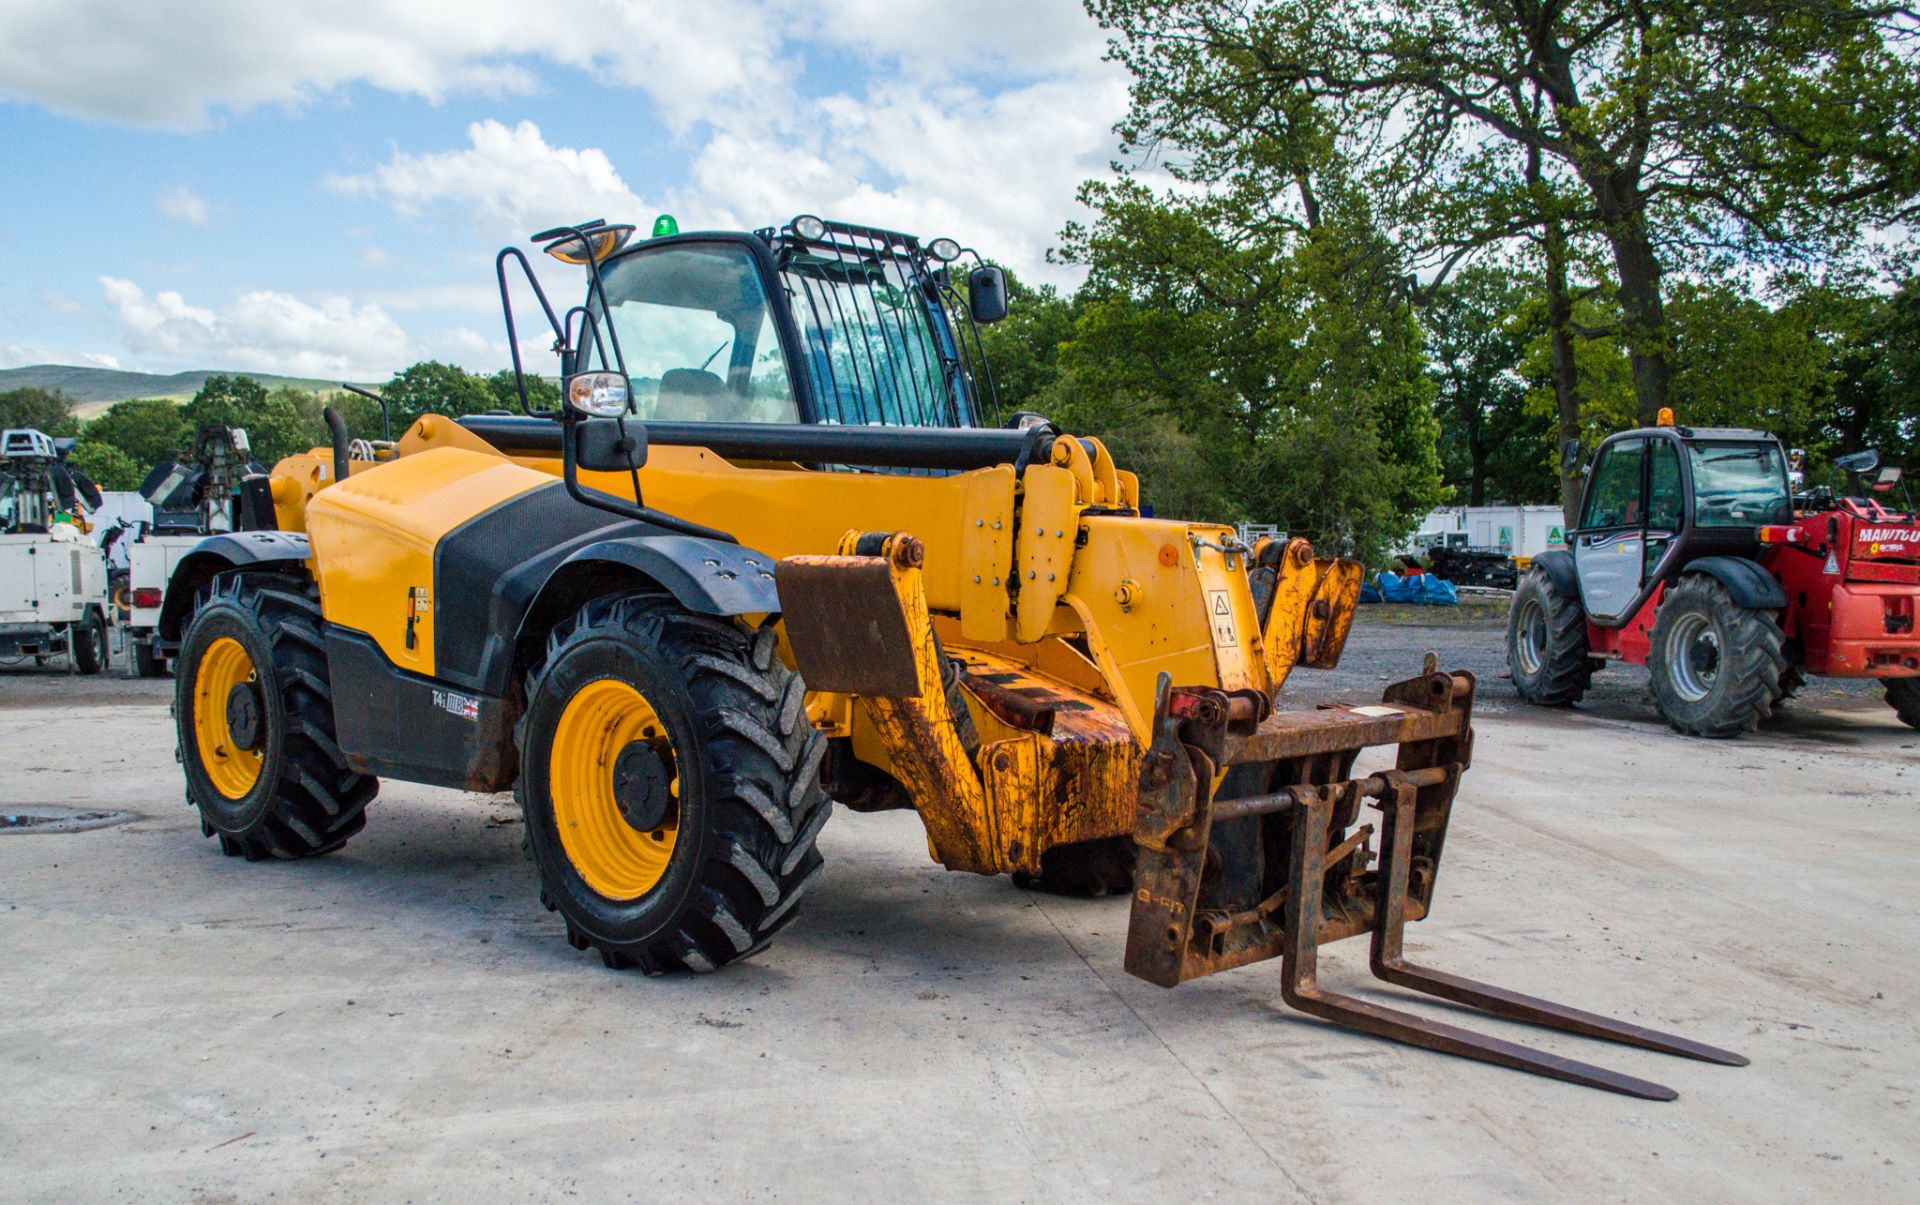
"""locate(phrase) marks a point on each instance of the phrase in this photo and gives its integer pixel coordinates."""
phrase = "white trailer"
(53, 597)
(1518, 532)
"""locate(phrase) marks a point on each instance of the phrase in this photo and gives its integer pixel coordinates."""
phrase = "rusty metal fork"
(1313, 809)
(1389, 963)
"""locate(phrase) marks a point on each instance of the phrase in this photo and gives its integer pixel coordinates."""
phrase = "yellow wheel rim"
(233, 769)
(615, 859)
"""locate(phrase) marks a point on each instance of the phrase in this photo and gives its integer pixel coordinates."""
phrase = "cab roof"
(1703, 434)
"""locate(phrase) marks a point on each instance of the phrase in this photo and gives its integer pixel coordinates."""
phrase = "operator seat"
(696, 395)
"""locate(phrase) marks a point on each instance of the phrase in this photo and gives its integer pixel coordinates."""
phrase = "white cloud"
(184, 204)
(511, 180)
(935, 36)
(170, 64)
(996, 171)
(263, 330)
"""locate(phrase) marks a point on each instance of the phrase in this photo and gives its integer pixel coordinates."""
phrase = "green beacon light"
(664, 225)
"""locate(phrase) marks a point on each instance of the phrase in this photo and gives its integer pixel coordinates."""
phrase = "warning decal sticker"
(1221, 607)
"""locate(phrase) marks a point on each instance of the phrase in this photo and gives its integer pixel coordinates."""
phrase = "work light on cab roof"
(588, 242)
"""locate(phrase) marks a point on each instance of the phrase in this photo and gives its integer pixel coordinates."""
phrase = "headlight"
(600, 394)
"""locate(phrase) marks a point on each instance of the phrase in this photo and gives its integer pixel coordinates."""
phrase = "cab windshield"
(697, 335)
(1739, 485)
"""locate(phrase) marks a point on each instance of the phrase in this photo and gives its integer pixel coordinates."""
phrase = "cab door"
(1610, 546)
(1666, 506)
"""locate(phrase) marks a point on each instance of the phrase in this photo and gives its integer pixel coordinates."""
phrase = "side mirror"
(1570, 456)
(601, 447)
(1859, 462)
(987, 294)
(599, 394)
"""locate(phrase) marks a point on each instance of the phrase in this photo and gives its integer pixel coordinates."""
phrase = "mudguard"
(1557, 564)
(709, 577)
(217, 554)
(1750, 585)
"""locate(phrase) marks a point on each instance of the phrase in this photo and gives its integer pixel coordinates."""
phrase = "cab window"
(1666, 499)
(1613, 493)
(1739, 485)
(698, 336)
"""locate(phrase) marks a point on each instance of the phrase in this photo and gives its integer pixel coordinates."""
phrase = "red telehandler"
(1693, 557)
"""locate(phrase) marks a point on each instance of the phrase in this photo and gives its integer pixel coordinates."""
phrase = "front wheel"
(670, 781)
(1903, 695)
(1716, 664)
(1547, 650)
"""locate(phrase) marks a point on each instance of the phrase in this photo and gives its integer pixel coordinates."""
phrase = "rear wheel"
(1716, 664)
(1547, 643)
(146, 662)
(670, 781)
(254, 709)
(87, 640)
(1903, 695)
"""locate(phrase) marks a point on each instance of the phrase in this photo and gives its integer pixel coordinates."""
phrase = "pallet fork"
(1227, 782)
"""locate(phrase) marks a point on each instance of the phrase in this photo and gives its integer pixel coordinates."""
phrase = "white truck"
(53, 576)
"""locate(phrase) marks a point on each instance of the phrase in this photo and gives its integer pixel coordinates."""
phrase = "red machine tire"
(1903, 695)
(1716, 664)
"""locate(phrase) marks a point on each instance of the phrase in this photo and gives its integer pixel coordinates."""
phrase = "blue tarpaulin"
(1422, 588)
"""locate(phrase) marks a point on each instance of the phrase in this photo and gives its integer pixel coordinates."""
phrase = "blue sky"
(317, 188)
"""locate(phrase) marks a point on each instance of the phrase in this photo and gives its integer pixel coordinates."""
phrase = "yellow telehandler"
(768, 554)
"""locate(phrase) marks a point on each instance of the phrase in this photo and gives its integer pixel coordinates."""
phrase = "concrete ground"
(403, 1021)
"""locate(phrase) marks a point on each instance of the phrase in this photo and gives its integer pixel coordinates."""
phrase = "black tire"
(749, 804)
(305, 800)
(1084, 868)
(87, 641)
(1903, 695)
(1716, 665)
(1547, 650)
(146, 662)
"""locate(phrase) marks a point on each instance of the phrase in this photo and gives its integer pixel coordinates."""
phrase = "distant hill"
(93, 389)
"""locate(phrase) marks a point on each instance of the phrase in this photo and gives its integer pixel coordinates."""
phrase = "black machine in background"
(199, 492)
(1473, 567)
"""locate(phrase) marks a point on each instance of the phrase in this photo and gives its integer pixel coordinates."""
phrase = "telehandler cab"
(1693, 557)
(765, 557)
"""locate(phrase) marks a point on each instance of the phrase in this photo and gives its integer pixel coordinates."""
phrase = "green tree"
(145, 430)
(1287, 354)
(542, 394)
(431, 387)
(108, 466)
(1753, 128)
(1493, 445)
(1876, 381)
(45, 410)
(1023, 349)
(278, 422)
